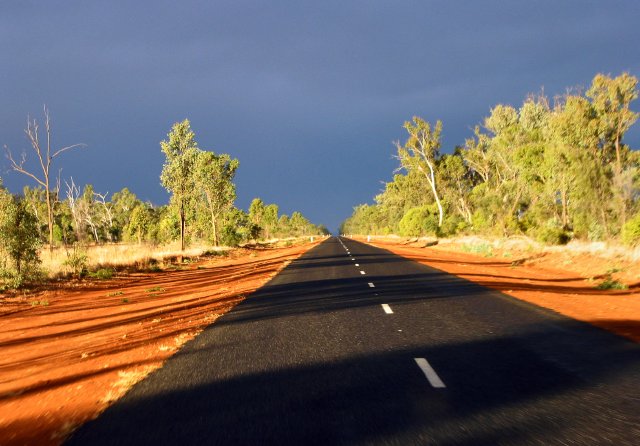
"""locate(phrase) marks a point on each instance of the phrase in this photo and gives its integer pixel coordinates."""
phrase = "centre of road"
(422, 363)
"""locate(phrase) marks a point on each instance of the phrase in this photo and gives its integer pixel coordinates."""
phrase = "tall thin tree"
(45, 156)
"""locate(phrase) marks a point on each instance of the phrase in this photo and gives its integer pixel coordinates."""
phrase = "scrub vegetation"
(554, 170)
(80, 227)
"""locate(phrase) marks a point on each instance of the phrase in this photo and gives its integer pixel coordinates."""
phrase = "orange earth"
(68, 353)
(563, 281)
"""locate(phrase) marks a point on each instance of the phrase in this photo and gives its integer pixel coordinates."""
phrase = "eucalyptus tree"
(611, 99)
(18, 236)
(181, 151)
(213, 176)
(420, 153)
(256, 211)
(270, 219)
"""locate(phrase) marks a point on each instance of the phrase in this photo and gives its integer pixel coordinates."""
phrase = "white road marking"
(362, 272)
(353, 259)
(431, 374)
(387, 309)
(371, 285)
(357, 264)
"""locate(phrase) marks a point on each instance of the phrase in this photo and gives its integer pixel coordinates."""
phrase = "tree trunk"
(182, 226)
(432, 183)
(565, 214)
(618, 175)
(215, 231)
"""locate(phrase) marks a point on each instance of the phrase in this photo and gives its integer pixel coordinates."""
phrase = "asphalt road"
(371, 348)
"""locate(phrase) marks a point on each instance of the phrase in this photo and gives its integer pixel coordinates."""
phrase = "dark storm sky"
(308, 95)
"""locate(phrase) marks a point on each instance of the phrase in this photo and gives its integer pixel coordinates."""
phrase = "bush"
(230, 237)
(553, 235)
(102, 274)
(18, 241)
(419, 221)
(631, 231)
(77, 261)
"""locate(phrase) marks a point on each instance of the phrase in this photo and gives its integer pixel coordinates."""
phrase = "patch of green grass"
(42, 303)
(115, 293)
(101, 274)
(156, 289)
(125, 300)
(484, 249)
(154, 269)
(611, 284)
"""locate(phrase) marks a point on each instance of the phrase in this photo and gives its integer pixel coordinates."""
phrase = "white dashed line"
(371, 285)
(431, 374)
(362, 272)
(357, 264)
(387, 309)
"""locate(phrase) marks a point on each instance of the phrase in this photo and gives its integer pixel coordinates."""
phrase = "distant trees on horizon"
(201, 207)
(554, 171)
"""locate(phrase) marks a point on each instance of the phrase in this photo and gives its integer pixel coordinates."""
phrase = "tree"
(256, 211)
(139, 222)
(421, 152)
(45, 155)
(181, 151)
(611, 99)
(270, 219)
(18, 234)
(214, 177)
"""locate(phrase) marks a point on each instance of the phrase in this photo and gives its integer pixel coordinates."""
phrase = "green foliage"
(214, 178)
(555, 173)
(19, 240)
(553, 235)
(611, 284)
(631, 231)
(102, 274)
(483, 249)
(419, 222)
(140, 222)
(77, 260)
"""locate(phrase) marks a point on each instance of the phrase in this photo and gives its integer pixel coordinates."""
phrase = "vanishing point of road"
(351, 345)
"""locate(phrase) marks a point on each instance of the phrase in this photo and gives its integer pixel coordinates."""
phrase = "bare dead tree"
(107, 214)
(45, 157)
(73, 194)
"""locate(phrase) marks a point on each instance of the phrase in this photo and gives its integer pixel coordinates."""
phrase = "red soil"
(69, 353)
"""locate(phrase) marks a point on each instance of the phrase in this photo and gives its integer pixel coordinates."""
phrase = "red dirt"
(560, 281)
(69, 353)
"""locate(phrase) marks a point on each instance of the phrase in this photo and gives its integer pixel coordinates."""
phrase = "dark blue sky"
(308, 95)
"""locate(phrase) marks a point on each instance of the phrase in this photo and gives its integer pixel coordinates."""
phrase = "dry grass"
(118, 255)
(526, 244)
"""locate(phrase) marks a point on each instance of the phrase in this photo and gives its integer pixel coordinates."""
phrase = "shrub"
(102, 274)
(18, 241)
(76, 261)
(230, 237)
(631, 231)
(419, 221)
(610, 284)
(553, 235)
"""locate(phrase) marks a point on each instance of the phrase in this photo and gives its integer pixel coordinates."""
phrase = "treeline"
(201, 209)
(554, 171)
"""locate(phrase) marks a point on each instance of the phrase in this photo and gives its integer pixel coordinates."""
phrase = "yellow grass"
(118, 254)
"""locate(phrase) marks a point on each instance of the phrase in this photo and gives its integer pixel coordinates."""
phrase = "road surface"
(351, 344)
